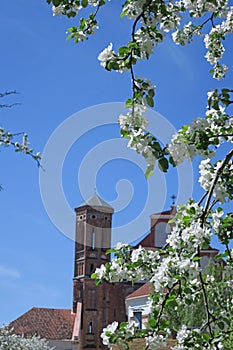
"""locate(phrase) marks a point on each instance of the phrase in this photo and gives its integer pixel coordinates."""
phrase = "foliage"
(193, 314)
(10, 341)
(175, 272)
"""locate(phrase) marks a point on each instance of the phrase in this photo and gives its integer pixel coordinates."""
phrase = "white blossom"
(182, 334)
(156, 341)
(11, 341)
(100, 271)
(111, 328)
(106, 55)
(58, 10)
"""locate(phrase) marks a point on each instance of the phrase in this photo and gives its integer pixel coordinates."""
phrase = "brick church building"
(93, 307)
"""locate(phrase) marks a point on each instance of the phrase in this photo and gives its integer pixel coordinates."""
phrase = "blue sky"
(56, 79)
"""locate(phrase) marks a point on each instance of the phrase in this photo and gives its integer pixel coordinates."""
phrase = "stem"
(211, 18)
(95, 14)
(208, 314)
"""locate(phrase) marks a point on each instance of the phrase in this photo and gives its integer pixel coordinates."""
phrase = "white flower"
(93, 2)
(111, 328)
(135, 254)
(106, 55)
(220, 193)
(156, 341)
(57, 10)
(120, 245)
(182, 334)
(100, 271)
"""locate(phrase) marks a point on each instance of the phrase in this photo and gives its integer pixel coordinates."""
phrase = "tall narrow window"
(93, 241)
(90, 328)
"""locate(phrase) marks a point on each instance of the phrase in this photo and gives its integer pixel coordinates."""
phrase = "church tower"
(93, 239)
(95, 306)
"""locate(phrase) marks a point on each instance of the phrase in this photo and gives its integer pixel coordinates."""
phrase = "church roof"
(144, 290)
(95, 201)
(53, 324)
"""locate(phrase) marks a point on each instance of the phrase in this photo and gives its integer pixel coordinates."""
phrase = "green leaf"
(196, 258)
(206, 336)
(191, 210)
(84, 3)
(152, 322)
(151, 93)
(123, 325)
(71, 14)
(109, 251)
(123, 13)
(56, 2)
(163, 164)
(171, 161)
(70, 36)
(149, 101)
(221, 256)
(149, 171)
(123, 50)
(112, 65)
(125, 133)
(128, 103)
(221, 325)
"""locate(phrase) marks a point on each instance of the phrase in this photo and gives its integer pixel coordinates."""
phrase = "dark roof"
(95, 201)
(46, 323)
(172, 211)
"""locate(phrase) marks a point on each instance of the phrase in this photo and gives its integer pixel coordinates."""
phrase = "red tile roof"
(146, 289)
(46, 323)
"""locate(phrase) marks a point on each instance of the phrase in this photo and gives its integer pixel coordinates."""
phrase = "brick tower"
(93, 238)
(95, 306)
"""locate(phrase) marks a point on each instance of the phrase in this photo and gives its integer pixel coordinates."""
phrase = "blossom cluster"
(131, 265)
(111, 334)
(61, 9)
(10, 341)
(154, 342)
(73, 8)
(223, 226)
(185, 34)
(198, 8)
(198, 138)
(223, 188)
(8, 139)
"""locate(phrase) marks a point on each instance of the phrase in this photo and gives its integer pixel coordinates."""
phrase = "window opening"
(93, 241)
(137, 315)
(90, 328)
